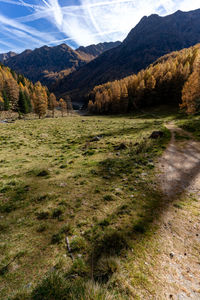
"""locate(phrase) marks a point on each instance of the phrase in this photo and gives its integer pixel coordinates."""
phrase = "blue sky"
(29, 24)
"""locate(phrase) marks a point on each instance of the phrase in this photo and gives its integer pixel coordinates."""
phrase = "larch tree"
(63, 106)
(40, 100)
(1, 102)
(69, 103)
(12, 91)
(191, 93)
(90, 105)
(52, 103)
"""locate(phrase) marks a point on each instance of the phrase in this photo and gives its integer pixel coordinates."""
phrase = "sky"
(29, 24)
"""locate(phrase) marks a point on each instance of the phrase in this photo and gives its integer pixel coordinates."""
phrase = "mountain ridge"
(47, 64)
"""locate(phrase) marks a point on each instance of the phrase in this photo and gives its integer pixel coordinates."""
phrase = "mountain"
(47, 64)
(153, 37)
(5, 56)
(94, 51)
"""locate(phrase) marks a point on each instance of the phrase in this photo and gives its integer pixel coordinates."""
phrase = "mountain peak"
(5, 56)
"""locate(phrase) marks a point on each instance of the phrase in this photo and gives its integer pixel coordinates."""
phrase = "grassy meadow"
(90, 179)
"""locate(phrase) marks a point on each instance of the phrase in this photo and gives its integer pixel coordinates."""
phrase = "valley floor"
(128, 208)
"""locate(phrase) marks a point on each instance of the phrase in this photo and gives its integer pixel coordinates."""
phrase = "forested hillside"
(174, 78)
(18, 94)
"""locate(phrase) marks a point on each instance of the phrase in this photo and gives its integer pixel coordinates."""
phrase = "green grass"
(191, 124)
(56, 182)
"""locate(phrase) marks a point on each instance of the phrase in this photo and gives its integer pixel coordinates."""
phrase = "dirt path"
(178, 265)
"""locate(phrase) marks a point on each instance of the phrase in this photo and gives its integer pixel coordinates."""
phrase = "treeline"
(174, 78)
(20, 95)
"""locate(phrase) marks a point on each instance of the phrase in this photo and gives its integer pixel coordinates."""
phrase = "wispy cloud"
(19, 3)
(86, 21)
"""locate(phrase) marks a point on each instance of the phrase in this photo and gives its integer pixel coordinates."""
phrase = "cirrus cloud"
(82, 22)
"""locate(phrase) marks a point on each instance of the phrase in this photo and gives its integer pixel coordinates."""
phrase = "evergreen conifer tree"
(23, 106)
(28, 101)
(6, 101)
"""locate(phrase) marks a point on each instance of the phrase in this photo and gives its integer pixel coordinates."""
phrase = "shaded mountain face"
(152, 38)
(5, 56)
(48, 64)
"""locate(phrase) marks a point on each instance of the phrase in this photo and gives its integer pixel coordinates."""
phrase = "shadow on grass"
(116, 241)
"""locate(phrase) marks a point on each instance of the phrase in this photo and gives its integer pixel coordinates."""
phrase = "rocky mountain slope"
(47, 64)
(5, 56)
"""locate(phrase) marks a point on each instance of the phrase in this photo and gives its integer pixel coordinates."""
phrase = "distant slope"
(94, 51)
(173, 79)
(152, 38)
(44, 63)
(47, 64)
(5, 56)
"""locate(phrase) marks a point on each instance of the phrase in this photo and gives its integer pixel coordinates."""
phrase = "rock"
(156, 134)
(171, 255)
